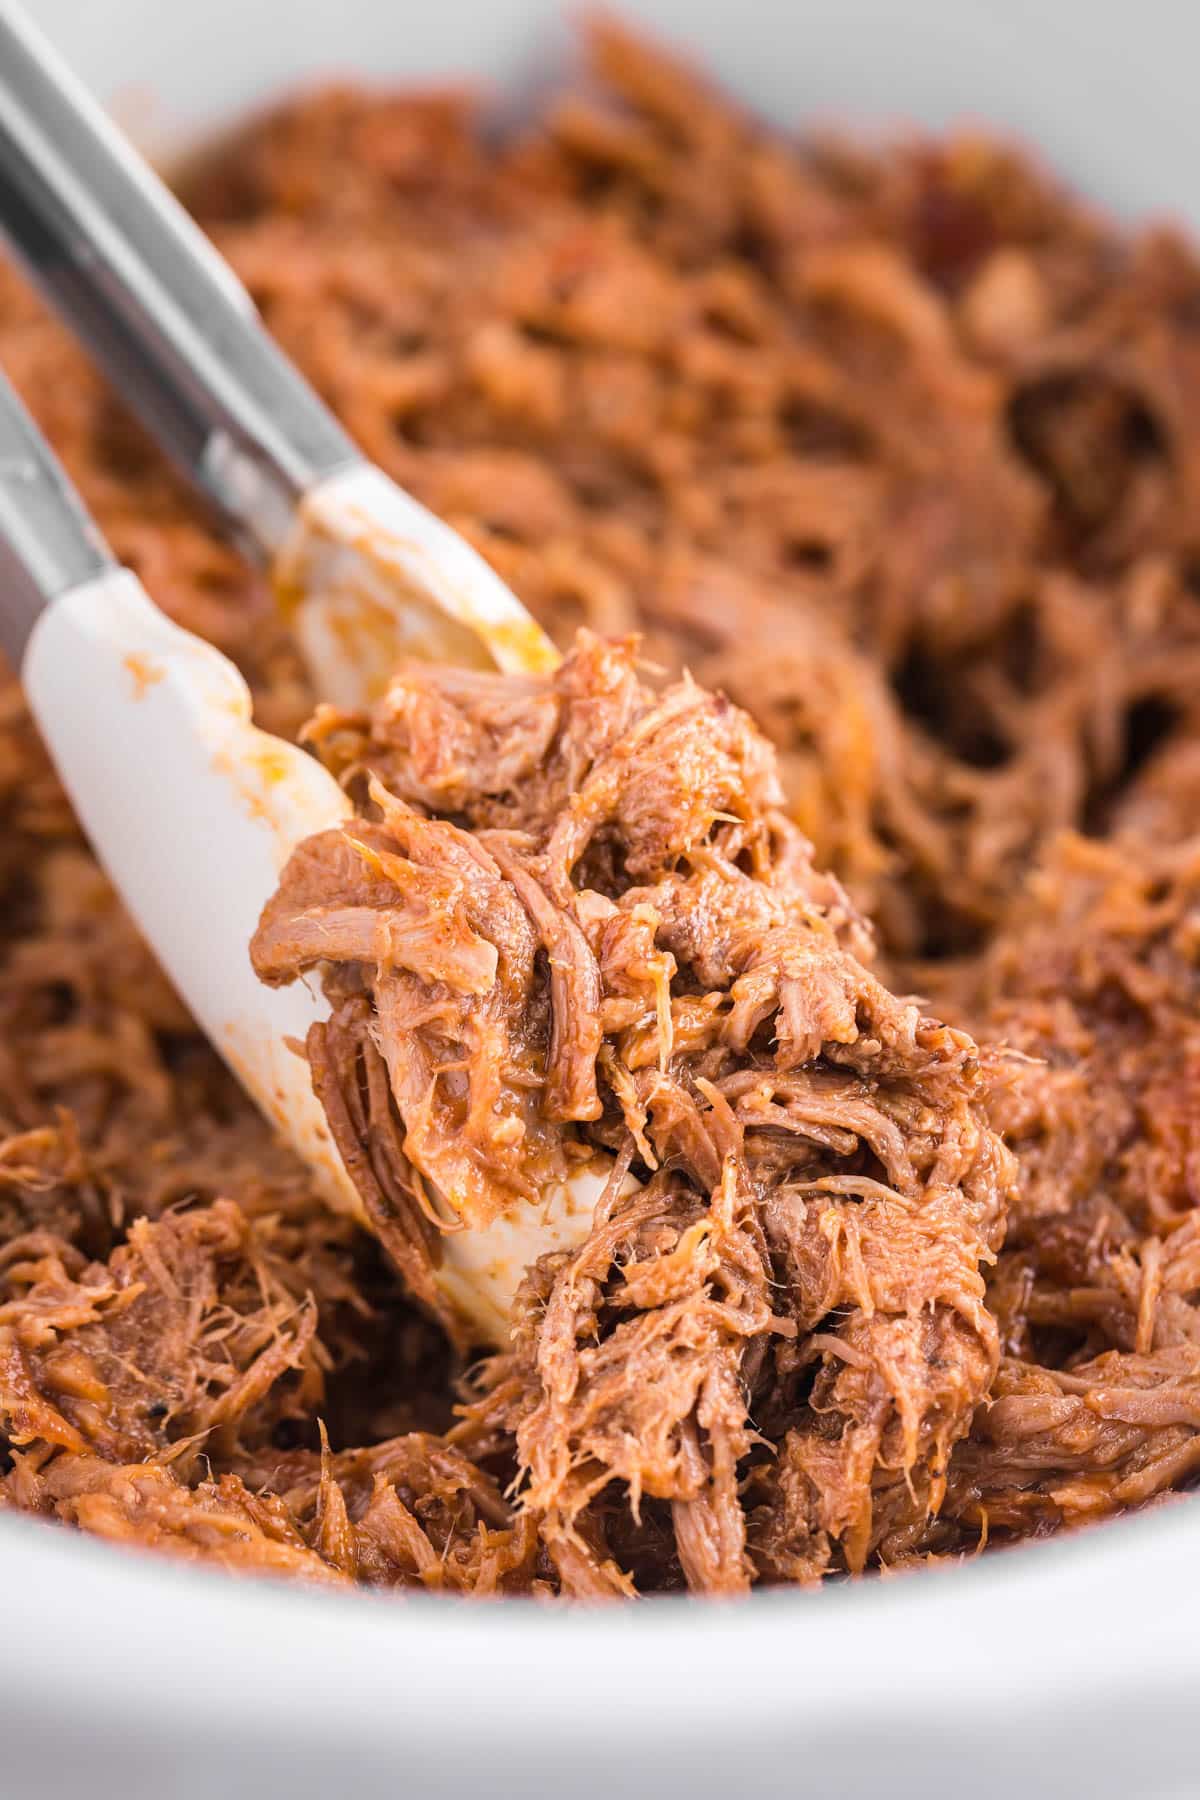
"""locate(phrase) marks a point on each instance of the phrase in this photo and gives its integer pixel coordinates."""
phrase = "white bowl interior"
(133, 1672)
(1107, 90)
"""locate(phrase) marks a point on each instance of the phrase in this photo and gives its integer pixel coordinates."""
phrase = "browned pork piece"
(123, 1384)
(573, 915)
(1096, 1406)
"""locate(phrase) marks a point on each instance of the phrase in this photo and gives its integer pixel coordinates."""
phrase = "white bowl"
(1065, 1668)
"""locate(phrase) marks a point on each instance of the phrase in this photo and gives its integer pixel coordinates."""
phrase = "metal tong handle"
(158, 308)
(48, 543)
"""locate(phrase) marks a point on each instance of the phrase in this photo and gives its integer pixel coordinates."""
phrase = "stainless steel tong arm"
(142, 287)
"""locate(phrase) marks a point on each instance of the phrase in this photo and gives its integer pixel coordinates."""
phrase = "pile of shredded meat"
(861, 489)
(575, 916)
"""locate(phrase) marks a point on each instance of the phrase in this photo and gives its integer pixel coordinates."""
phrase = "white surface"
(1067, 1673)
(1064, 1669)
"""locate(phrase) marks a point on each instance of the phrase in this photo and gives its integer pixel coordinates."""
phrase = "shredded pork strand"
(898, 448)
(627, 947)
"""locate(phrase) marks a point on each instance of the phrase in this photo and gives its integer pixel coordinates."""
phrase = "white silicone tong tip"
(370, 576)
(194, 812)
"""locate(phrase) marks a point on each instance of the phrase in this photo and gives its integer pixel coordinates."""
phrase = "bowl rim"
(1051, 1618)
(100, 1636)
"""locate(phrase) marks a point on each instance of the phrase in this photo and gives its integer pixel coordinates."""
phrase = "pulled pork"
(610, 935)
(899, 449)
(1097, 1294)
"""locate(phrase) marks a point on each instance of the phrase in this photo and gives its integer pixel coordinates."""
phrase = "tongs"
(191, 808)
